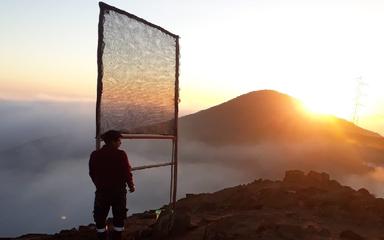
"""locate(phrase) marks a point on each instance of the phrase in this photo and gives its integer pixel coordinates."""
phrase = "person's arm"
(92, 167)
(128, 173)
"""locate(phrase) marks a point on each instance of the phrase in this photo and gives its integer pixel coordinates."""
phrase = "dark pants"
(106, 198)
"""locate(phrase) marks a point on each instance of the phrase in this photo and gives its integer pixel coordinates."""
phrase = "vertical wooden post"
(176, 140)
(100, 73)
(172, 176)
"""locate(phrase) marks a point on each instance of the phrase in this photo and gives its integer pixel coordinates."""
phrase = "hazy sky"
(312, 50)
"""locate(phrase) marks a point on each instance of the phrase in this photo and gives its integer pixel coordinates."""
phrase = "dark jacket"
(109, 168)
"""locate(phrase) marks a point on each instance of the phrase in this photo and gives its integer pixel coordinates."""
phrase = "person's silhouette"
(110, 171)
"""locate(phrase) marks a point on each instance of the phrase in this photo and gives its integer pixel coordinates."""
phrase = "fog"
(44, 180)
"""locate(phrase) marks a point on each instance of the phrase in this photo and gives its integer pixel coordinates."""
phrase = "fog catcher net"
(137, 75)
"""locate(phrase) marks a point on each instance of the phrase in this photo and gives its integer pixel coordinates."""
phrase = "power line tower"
(358, 95)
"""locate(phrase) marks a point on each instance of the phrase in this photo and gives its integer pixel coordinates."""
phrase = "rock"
(172, 224)
(190, 195)
(163, 225)
(92, 226)
(294, 177)
(333, 184)
(318, 178)
(85, 229)
(288, 231)
(349, 235)
(68, 232)
(145, 215)
(315, 229)
(32, 236)
(298, 179)
(181, 223)
(364, 193)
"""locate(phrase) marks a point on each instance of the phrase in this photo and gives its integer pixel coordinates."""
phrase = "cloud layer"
(44, 166)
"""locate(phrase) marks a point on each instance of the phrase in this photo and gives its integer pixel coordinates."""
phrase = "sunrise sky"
(313, 50)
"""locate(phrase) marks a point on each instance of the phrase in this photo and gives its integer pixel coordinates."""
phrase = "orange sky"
(312, 50)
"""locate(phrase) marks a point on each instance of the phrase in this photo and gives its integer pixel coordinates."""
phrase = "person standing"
(110, 172)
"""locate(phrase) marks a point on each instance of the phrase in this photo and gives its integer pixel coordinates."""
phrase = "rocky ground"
(301, 206)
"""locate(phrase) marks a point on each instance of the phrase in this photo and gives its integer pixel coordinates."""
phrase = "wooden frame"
(100, 48)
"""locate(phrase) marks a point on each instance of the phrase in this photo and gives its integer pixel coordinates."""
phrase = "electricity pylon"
(359, 93)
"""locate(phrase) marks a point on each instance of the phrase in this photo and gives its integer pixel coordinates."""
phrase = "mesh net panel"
(138, 83)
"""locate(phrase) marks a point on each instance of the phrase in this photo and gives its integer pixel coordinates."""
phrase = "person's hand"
(131, 189)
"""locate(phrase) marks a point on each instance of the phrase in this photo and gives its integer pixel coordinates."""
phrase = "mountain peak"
(261, 97)
(264, 115)
(251, 117)
(264, 93)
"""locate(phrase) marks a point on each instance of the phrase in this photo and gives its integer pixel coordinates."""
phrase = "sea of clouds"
(44, 153)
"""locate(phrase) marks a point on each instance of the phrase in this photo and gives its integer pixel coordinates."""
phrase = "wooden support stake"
(151, 166)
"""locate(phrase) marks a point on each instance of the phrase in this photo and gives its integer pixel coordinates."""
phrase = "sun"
(321, 106)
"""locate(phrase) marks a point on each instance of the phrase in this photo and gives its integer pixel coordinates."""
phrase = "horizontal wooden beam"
(140, 136)
(152, 166)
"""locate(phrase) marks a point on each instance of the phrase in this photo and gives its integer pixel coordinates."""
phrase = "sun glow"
(327, 107)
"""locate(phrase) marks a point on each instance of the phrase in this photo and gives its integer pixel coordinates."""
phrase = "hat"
(111, 135)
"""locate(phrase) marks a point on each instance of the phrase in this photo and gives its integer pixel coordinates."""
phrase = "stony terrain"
(301, 206)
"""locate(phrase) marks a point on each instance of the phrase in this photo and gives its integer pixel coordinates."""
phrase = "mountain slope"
(268, 115)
